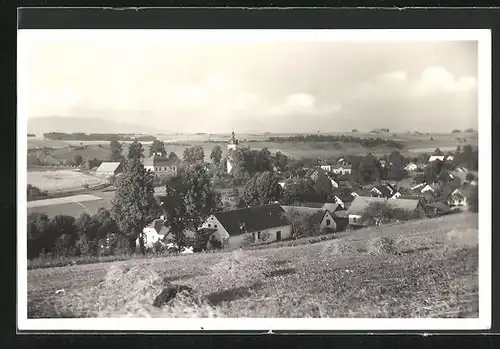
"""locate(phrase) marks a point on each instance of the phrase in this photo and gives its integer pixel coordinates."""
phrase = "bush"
(35, 192)
(303, 224)
(383, 213)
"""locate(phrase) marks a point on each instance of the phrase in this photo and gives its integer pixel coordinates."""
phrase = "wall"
(241, 240)
(326, 217)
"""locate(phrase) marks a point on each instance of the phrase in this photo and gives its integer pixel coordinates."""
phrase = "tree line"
(80, 136)
(366, 142)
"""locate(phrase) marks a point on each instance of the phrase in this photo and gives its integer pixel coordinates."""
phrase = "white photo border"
(483, 322)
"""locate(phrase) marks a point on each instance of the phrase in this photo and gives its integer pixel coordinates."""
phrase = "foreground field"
(423, 268)
(62, 180)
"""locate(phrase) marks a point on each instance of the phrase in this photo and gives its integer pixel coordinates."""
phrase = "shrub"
(35, 192)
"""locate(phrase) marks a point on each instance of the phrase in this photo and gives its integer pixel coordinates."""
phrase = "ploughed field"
(426, 268)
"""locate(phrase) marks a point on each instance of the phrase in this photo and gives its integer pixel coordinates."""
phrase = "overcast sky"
(266, 87)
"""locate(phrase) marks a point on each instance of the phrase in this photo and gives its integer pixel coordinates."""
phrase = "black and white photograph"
(254, 179)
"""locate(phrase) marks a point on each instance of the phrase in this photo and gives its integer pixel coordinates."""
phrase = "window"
(327, 222)
(209, 225)
(258, 235)
(278, 235)
(215, 226)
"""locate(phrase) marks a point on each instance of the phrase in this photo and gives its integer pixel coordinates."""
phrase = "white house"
(252, 225)
(411, 167)
(436, 157)
(160, 164)
(109, 168)
(450, 158)
(157, 231)
(327, 168)
(334, 183)
(341, 169)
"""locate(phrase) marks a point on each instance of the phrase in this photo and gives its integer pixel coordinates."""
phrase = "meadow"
(62, 180)
(425, 268)
(413, 143)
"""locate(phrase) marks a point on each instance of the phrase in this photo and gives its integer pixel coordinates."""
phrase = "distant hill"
(47, 124)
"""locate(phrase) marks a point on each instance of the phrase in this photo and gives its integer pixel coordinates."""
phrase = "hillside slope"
(423, 268)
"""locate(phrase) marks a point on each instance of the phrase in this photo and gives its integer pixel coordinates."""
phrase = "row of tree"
(79, 136)
(366, 142)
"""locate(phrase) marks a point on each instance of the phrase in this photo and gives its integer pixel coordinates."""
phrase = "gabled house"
(109, 168)
(257, 224)
(459, 197)
(360, 203)
(160, 164)
(411, 167)
(436, 157)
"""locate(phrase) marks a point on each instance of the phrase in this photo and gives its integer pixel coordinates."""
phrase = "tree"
(432, 170)
(280, 160)
(78, 159)
(263, 161)
(261, 189)
(323, 187)
(188, 201)
(116, 151)
(299, 192)
(216, 154)
(193, 154)
(396, 166)
(157, 147)
(134, 205)
(455, 131)
(303, 224)
(173, 157)
(38, 231)
(383, 213)
(438, 152)
(135, 151)
(369, 169)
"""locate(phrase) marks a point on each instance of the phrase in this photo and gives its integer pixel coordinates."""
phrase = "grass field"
(422, 268)
(177, 143)
(61, 180)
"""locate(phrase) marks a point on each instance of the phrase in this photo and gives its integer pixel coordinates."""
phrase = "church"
(232, 145)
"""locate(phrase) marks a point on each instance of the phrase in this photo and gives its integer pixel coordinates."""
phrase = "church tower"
(232, 145)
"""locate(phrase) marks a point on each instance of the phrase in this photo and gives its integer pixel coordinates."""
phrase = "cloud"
(439, 80)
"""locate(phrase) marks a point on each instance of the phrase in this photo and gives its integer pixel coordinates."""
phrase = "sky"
(252, 86)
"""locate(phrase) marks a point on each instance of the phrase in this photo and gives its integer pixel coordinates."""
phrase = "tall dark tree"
(280, 160)
(396, 166)
(116, 151)
(189, 200)
(157, 147)
(323, 187)
(216, 154)
(263, 161)
(78, 159)
(438, 152)
(369, 169)
(173, 157)
(194, 154)
(261, 189)
(432, 170)
(299, 192)
(135, 151)
(134, 205)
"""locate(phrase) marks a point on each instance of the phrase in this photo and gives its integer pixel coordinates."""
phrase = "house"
(411, 167)
(382, 191)
(360, 203)
(342, 162)
(323, 218)
(258, 224)
(327, 168)
(341, 169)
(458, 197)
(160, 164)
(108, 169)
(436, 157)
(334, 183)
(157, 231)
(450, 158)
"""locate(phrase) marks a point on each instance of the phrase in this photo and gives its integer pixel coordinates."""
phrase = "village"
(450, 191)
